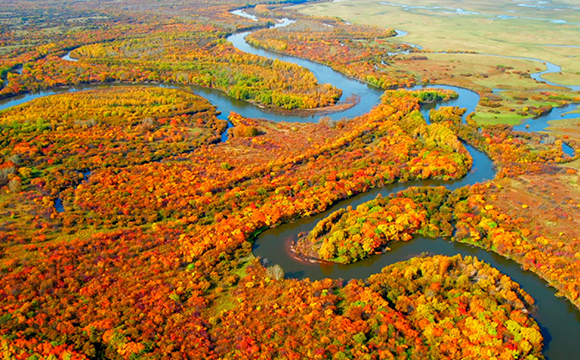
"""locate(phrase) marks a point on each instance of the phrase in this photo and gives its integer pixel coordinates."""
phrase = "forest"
(131, 203)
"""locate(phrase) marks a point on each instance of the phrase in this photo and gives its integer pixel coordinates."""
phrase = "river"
(558, 318)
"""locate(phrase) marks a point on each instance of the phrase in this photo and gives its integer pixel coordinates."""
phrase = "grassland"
(441, 30)
(503, 28)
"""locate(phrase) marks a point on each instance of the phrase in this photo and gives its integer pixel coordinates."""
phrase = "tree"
(275, 272)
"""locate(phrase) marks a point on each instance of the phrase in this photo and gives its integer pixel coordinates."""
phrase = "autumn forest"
(242, 180)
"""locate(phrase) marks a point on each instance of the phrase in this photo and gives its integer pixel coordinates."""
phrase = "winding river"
(558, 318)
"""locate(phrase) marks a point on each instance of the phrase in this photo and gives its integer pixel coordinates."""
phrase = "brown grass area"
(568, 127)
(550, 204)
(477, 72)
(275, 141)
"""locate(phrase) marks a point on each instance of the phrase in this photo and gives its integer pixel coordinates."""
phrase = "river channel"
(559, 319)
